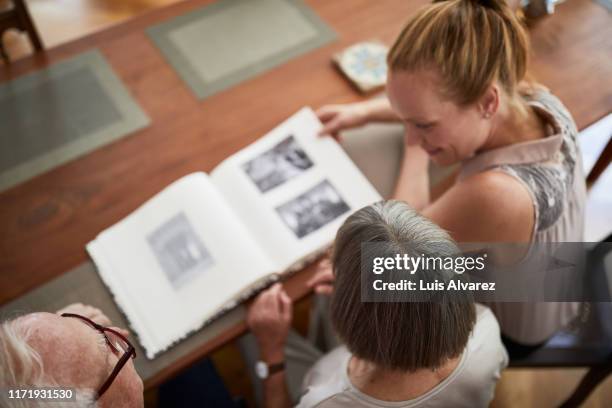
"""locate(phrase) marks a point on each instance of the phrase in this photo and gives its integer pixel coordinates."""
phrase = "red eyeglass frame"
(129, 353)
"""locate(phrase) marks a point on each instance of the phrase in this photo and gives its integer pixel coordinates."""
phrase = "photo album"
(207, 242)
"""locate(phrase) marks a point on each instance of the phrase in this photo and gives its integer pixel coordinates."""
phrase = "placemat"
(52, 116)
(229, 41)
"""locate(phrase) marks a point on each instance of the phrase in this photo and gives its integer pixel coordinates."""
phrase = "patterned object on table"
(364, 64)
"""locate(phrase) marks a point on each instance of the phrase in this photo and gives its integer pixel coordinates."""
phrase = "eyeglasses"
(117, 343)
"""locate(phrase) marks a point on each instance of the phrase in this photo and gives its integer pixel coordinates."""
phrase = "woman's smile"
(432, 151)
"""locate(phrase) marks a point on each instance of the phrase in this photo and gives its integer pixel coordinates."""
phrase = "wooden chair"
(589, 342)
(16, 16)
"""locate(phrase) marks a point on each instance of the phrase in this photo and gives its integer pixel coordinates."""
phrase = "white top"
(471, 384)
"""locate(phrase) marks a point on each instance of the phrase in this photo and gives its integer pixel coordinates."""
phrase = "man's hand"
(323, 280)
(269, 318)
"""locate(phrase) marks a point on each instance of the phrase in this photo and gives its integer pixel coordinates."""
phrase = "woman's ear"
(489, 102)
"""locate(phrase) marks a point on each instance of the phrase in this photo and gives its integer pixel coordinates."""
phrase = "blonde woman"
(457, 82)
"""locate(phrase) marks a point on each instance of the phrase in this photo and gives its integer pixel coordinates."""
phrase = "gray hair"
(21, 366)
(394, 335)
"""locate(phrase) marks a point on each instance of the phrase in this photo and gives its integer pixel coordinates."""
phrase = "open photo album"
(207, 242)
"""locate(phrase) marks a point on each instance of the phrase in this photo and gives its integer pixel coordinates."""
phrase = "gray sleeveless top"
(551, 171)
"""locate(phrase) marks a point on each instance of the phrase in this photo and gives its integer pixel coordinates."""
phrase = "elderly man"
(75, 347)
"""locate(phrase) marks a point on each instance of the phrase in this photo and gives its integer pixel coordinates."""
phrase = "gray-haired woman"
(435, 354)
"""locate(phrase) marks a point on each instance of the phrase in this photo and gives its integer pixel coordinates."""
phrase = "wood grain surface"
(46, 222)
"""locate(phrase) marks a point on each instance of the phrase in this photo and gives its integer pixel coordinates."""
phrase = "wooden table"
(46, 222)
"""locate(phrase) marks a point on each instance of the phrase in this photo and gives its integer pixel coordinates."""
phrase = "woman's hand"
(323, 280)
(269, 318)
(336, 118)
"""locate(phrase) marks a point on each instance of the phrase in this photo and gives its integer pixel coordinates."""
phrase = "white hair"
(22, 366)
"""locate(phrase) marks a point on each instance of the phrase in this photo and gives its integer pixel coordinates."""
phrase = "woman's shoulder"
(492, 187)
(486, 206)
(486, 332)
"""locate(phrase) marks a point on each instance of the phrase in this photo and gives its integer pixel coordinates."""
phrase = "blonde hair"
(471, 43)
(21, 366)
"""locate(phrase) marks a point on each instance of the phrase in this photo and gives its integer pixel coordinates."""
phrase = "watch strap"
(275, 368)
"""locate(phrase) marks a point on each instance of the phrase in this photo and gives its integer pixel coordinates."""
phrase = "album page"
(292, 189)
(177, 261)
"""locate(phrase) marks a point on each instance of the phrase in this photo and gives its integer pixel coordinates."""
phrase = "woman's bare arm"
(487, 207)
(379, 110)
(336, 118)
(413, 181)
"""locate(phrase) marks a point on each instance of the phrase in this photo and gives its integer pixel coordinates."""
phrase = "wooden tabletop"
(46, 221)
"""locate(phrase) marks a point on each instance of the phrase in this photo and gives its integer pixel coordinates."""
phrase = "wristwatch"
(263, 370)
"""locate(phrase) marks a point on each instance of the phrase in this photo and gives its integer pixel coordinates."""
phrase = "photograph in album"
(313, 209)
(179, 251)
(277, 165)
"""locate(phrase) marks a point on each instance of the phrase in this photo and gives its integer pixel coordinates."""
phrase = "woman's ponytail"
(495, 5)
(471, 43)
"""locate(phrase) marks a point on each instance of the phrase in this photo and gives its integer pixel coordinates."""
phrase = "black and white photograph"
(313, 209)
(275, 166)
(179, 251)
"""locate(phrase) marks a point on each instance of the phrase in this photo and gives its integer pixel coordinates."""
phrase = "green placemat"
(52, 116)
(230, 41)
